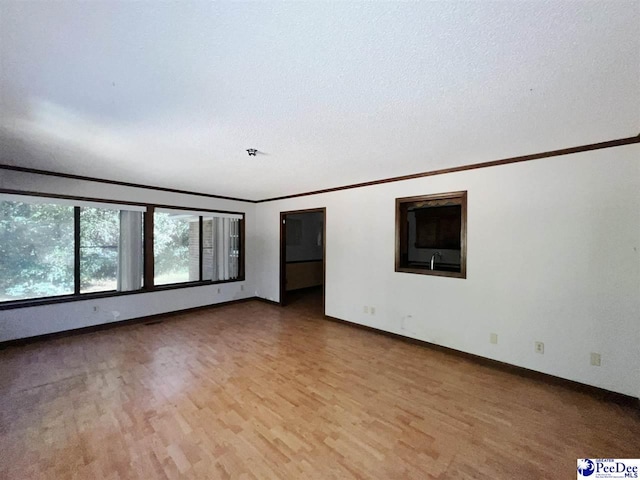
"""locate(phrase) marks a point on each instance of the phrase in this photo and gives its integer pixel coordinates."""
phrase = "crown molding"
(472, 166)
(493, 163)
(116, 182)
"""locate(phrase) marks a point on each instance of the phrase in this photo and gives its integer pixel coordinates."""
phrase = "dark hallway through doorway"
(302, 257)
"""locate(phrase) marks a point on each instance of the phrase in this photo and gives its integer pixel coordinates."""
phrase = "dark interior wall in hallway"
(304, 237)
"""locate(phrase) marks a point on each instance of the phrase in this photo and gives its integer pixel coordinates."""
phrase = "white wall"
(553, 256)
(31, 321)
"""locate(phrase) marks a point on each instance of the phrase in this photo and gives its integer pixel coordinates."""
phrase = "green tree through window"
(36, 250)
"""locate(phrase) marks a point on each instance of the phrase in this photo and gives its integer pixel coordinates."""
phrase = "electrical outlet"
(539, 347)
(365, 309)
(96, 308)
(219, 291)
(242, 288)
(493, 338)
(595, 359)
(373, 310)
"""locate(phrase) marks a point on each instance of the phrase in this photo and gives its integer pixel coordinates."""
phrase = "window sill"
(434, 273)
(37, 302)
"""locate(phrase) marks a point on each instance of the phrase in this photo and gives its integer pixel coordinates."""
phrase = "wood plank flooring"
(256, 391)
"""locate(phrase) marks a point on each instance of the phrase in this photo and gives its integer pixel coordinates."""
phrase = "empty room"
(319, 240)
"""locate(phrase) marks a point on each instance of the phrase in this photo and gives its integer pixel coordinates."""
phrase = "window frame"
(401, 233)
(200, 244)
(201, 214)
(148, 255)
(78, 250)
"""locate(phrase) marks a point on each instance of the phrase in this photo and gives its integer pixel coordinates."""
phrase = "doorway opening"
(303, 258)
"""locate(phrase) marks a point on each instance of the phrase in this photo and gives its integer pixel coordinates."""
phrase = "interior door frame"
(283, 253)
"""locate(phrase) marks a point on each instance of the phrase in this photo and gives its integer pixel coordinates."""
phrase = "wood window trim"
(148, 255)
(42, 301)
(401, 233)
(148, 276)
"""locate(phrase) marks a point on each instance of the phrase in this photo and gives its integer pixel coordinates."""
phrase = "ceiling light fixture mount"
(252, 152)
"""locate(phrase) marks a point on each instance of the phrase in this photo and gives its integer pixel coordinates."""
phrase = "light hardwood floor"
(257, 391)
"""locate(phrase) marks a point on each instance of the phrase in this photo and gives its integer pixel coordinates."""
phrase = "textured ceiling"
(171, 94)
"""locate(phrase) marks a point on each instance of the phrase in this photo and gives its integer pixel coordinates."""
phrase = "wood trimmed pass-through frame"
(402, 263)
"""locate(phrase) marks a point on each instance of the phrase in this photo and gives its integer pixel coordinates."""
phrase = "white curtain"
(130, 258)
(226, 248)
(234, 253)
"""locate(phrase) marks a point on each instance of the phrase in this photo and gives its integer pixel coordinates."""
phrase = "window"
(431, 234)
(196, 246)
(39, 256)
(221, 248)
(36, 248)
(110, 250)
(176, 247)
(61, 249)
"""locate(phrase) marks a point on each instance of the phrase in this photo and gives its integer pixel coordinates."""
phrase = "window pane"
(220, 248)
(208, 251)
(130, 251)
(110, 250)
(36, 250)
(176, 248)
